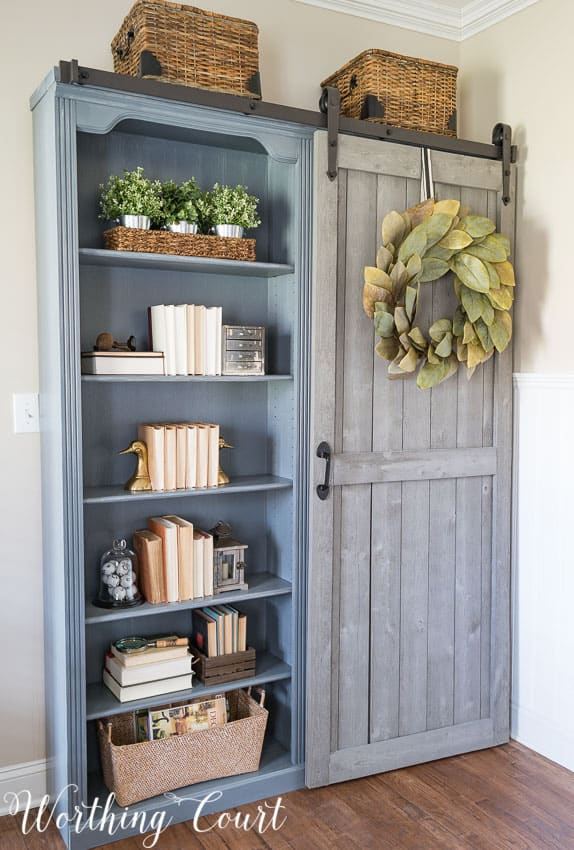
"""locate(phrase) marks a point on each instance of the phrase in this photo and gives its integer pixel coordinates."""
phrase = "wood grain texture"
(499, 799)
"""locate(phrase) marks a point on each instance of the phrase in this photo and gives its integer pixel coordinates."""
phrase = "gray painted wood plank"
(371, 156)
(338, 447)
(411, 749)
(357, 403)
(442, 525)
(466, 171)
(468, 599)
(501, 518)
(319, 651)
(365, 467)
(414, 542)
(386, 523)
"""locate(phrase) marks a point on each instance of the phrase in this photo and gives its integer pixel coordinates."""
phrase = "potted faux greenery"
(180, 212)
(229, 210)
(133, 200)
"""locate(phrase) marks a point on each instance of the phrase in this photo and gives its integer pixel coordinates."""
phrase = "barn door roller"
(502, 138)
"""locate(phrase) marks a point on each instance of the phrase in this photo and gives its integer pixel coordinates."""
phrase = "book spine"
(158, 332)
(170, 339)
(180, 311)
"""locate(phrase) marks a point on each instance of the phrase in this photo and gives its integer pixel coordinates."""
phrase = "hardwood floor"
(507, 798)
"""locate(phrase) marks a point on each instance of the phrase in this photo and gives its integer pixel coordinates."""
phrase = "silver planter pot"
(233, 230)
(182, 227)
(141, 222)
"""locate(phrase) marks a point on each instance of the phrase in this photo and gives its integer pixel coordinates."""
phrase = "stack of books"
(175, 560)
(189, 336)
(181, 455)
(219, 630)
(122, 363)
(150, 673)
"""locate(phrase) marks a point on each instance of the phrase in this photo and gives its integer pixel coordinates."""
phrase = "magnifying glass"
(132, 645)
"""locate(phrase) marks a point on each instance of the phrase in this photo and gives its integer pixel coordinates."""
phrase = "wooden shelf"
(241, 484)
(261, 585)
(191, 379)
(172, 262)
(100, 702)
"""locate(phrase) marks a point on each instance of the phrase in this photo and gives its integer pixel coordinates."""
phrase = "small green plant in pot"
(230, 210)
(133, 200)
(180, 212)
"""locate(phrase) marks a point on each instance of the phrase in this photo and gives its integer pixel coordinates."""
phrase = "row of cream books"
(168, 721)
(181, 455)
(189, 335)
(150, 673)
(175, 560)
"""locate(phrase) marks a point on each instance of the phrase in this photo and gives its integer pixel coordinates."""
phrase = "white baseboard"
(539, 734)
(29, 776)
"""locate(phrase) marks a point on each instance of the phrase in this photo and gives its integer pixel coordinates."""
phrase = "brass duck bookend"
(140, 480)
(223, 477)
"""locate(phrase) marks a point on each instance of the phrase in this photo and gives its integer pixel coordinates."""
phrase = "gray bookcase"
(82, 135)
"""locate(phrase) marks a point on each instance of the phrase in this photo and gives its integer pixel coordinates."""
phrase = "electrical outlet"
(26, 413)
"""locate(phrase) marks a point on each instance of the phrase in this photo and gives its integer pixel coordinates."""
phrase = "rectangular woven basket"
(135, 771)
(398, 90)
(183, 244)
(194, 47)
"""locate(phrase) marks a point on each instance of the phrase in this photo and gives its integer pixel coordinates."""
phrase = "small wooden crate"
(224, 668)
(181, 44)
(398, 90)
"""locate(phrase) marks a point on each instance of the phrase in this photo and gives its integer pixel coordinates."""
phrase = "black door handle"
(324, 452)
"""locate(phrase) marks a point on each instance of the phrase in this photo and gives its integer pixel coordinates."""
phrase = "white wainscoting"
(30, 776)
(543, 566)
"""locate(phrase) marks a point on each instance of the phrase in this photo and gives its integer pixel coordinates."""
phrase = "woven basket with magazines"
(135, 771)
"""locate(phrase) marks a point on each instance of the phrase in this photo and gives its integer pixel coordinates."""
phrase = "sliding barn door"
(408, 620)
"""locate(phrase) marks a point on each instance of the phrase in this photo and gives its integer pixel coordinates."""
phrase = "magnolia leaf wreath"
(423, 244)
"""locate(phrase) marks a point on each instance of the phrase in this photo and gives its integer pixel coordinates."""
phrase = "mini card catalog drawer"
(243, 350)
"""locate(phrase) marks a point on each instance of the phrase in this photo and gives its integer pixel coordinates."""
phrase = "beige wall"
(520, 72)
(299, 46)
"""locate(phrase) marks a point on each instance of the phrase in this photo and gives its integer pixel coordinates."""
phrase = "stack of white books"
(189, 335)
(181, 455)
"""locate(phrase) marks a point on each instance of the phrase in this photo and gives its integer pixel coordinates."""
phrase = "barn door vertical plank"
(357, 405)
(501, 518)
(338, 446)
(442, 527)
(386, 523)
(487, 482)
(320, 646)
(414, 544)
(468, 598)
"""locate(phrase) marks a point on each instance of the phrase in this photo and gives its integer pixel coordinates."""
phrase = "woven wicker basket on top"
(413, 93)
(182, 44)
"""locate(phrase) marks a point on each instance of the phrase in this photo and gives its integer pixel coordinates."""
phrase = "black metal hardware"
(123, 52)
(275, 111)
(502, 138)
(372, 108)
(150, 66)
(324, 452)
(452, 121)
(330, 103)
(254, 84)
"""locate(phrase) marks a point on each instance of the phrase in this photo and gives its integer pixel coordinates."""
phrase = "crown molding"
(431, 17)
(478, 15)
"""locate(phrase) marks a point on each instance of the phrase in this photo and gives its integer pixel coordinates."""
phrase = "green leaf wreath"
(423, 244)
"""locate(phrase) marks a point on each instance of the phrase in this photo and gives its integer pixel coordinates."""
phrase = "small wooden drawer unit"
(243, 350)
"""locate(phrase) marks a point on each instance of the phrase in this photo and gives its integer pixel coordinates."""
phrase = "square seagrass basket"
(135, 771)
(181, 44)
(398, 90)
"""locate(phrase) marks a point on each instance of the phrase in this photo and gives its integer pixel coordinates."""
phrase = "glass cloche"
(118, 578)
